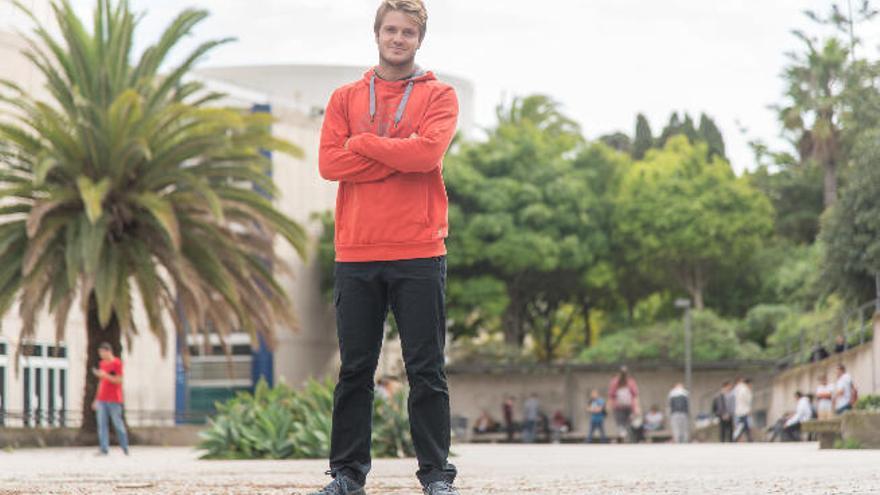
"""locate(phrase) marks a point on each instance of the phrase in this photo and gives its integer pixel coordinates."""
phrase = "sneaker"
(342, 485)
(440, 488)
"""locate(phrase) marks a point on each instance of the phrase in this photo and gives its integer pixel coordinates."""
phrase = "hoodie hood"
(418, 75)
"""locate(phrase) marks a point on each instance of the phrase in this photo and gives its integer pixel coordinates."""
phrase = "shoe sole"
(358, 492)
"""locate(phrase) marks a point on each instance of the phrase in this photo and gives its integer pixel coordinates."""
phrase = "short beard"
(387, 63)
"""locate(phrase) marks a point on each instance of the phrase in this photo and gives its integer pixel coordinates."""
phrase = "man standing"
(108, 400)
(507, 410)
(531, 417)
(679, 414)
(721, 407)
(743, 409)
(843, 390)
(383, 140)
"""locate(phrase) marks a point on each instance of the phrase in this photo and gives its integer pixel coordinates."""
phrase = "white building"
(48, 390)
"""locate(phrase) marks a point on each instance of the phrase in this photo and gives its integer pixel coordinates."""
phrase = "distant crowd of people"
(829, 400)
(622, 404)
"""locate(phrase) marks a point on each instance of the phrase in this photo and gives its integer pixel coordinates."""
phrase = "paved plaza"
(485, 469)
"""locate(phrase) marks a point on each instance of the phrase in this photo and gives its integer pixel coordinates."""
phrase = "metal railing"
(69, 418)
(856, 327)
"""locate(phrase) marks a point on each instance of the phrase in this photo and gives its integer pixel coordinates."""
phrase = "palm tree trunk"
(95, 335)
(830, 184)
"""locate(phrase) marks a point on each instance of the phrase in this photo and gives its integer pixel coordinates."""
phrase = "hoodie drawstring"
(398, 116)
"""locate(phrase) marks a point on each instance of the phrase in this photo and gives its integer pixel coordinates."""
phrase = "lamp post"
(685, 304)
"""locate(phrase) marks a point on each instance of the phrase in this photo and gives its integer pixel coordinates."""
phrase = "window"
(34, 350)
(56, 352)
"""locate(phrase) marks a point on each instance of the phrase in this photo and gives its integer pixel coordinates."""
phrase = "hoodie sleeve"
(422, 153)
(335, 162)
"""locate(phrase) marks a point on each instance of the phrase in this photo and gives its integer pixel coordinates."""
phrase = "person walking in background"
(679, 413)
(843, 391)
(597, 413)
(531, 417)
(383, 140)
(791, 431)
(743, 409)
(839, 344)
(507, 411)
(723, 409)
(824, 398)
(108, 400)
(623, 395)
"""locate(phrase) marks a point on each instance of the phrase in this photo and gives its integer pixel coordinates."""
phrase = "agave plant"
(128, 183)
(281, 423)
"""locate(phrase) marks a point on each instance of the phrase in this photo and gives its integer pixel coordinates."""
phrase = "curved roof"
(310, 86)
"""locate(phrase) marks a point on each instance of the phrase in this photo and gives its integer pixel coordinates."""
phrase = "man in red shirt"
(108, 400)
(383, 141)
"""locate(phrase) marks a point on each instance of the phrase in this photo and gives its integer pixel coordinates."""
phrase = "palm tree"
(127, 184)
(815, 88)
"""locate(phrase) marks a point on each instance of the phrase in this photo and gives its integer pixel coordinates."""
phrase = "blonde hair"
(415, 9)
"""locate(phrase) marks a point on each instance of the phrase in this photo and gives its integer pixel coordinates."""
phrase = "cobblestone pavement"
(485, 469)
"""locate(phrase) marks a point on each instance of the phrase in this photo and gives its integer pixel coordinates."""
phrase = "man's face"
(104, 353)
(398, 39)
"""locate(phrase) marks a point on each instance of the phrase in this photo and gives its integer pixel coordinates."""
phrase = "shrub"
(868, 403)
(714, 339)
(282, 423)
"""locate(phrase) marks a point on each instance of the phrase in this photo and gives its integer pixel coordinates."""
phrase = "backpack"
(854, 395)
(624, 396)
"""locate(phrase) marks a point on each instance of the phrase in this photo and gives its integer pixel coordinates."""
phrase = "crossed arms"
(368, 157)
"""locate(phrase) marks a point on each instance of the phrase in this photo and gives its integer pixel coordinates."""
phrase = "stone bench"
(658, 436)
(826, 430)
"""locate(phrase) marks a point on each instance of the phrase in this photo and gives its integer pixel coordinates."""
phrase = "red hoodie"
(391, 203)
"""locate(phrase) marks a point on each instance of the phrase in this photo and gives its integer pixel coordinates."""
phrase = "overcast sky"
(603, 60)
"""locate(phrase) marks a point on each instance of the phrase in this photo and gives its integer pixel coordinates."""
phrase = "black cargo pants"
(414, 290)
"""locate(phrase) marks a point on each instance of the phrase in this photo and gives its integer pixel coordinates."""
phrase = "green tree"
(673, 128)
(618, 141)
(710, 133)
(644, 139)
(851, 232)
(796, 195)
(707, 132)
(689, 216)
(126, 183)
(524, 219)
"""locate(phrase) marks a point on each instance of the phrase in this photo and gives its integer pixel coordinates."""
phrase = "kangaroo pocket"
(392, 211)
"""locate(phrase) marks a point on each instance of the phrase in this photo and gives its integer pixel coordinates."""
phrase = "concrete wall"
(860, 362)
(310, 350)
(472, 391)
